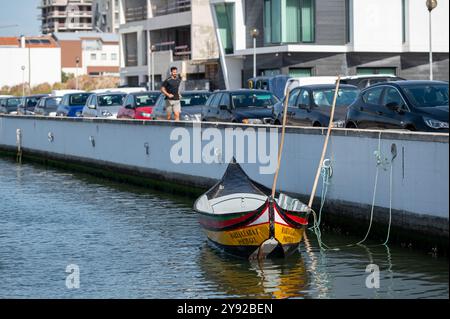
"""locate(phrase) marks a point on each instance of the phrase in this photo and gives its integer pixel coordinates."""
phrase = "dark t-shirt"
(172, 86)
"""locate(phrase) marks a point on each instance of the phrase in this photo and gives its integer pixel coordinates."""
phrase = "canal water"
(127, 242)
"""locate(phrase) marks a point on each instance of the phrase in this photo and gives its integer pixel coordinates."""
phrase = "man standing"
(171, 89)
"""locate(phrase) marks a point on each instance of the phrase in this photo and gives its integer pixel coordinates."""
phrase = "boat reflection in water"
(269, 278)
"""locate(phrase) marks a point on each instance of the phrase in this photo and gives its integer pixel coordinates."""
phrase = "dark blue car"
(72, 104)
(410, 105)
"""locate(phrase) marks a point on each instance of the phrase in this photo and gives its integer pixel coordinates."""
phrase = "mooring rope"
(381, 162)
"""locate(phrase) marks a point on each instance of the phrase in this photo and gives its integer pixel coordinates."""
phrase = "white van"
(292, 83)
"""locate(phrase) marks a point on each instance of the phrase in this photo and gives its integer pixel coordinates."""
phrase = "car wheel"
(410, 128)
(317, 124)
(350, 125)
(277, 122)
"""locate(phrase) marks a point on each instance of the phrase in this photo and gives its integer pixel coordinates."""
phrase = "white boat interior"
(234, 203)
(244, 202)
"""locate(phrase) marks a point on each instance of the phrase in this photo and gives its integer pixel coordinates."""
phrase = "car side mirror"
(224, 107)
(91, 106)
(394, 106)
(304, 107)
(129, 107)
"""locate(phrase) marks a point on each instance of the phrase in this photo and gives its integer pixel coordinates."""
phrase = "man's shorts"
(173, 106)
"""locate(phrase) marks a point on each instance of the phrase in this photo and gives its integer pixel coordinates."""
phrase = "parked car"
(28, 103)
(310, 105)
(104, 105)
(411, 105)
(275, 84)
(192, 103)
(240, 106)
(363, 81)
(48, 105)
(9, 105)
(72, 104)
(139, 105)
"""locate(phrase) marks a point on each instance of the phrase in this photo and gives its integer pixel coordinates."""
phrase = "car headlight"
(339, 124)
(252, 121)
(435, 123)
(147, 115)
(78, 114)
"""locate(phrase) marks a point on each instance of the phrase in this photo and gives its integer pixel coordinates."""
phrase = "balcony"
(179, 52)
(63, 3)
(170, 7)
(66, 26)
(136, 14)
(131, 60)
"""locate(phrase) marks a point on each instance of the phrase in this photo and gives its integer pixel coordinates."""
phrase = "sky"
(23, 13)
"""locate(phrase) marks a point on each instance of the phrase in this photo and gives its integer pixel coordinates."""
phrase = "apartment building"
(106, 15)
(89, 53)
(174, 33)
(31, 60)
(330, 37)
(66, 16)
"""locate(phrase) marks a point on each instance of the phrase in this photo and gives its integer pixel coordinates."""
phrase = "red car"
(138, 106)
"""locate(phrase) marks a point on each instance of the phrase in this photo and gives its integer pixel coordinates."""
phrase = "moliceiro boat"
(241, 217)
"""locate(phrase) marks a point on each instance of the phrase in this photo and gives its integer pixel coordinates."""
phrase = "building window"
(91, 45)
(93, 56)
(225, 21)
(114, 56)
(103, 56)
(307, 20)
(271, 72)
(300, 72)
(347, 21)
(382, 70)
(145, 48)
(289, 21)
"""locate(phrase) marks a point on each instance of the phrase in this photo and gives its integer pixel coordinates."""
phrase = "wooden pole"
(324, 150)
(280, 150)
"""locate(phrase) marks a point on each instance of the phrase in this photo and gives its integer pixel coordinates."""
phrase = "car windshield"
(53, 101)
(146, 99)
(78, 99)
(194, 99)
(427, 95)
(110, 100)
(253, 99)
(13, 102)
(325, 97)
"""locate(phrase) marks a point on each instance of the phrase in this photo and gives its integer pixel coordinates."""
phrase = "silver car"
(105, 105)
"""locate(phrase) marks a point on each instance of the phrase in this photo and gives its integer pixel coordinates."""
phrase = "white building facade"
(181, 33)
(34, 64)
(330, 37)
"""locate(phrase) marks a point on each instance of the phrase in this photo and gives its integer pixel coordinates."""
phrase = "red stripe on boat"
(298, 220)
(228, 223)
